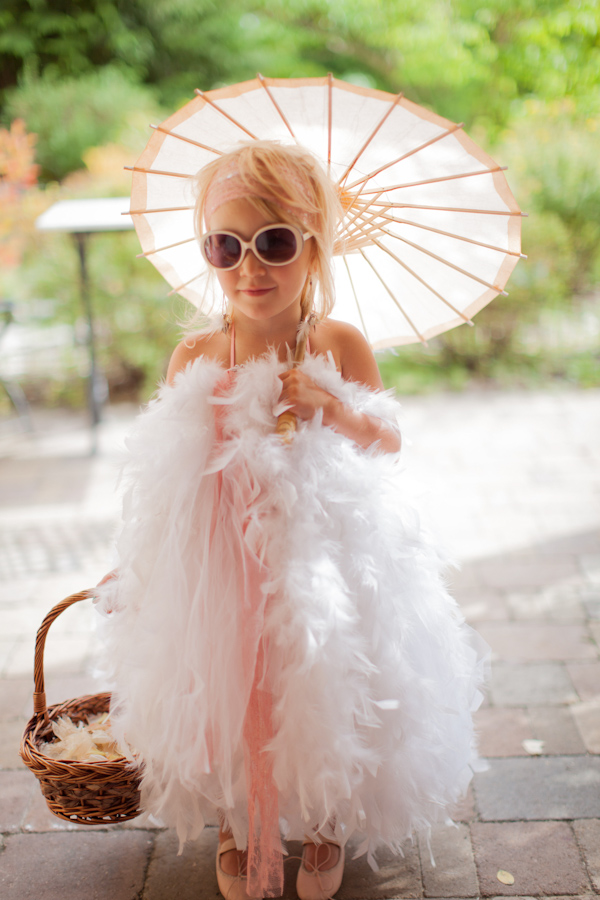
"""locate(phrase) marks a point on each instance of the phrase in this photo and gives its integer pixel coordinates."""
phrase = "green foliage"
(524, 75)
(68, 39)
(176, 45)
(135, 322)
(468, 59)
(73, 114)
(568, 186)
(557, 177)
(553, 170)
(416, 370)
(552, 48)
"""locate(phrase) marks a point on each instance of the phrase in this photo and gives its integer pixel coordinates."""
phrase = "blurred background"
(81, 81)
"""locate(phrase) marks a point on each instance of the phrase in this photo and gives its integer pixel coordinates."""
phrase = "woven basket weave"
(90, 793)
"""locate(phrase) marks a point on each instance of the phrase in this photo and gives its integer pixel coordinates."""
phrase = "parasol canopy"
(430, 232)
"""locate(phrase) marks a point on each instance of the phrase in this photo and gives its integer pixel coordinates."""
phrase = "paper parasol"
(431, 230)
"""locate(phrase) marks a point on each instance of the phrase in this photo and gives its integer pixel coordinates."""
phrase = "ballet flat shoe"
(232, 887)
(319, 884)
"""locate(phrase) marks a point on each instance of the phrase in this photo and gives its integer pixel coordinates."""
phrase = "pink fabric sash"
(265, 861)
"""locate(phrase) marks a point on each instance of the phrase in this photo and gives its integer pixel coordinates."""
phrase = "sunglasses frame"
(251, 245)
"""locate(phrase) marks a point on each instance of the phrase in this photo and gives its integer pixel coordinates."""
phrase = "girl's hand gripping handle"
(287, 421)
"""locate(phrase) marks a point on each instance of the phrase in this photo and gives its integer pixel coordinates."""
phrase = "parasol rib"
(358, 208)
(360, 215)
(360, 315)
(390, 292)
(166, 247)
(363, 221)
(434, 140)
(483, 212)
(349, 168)
(207, 99)
(345, 226)
(423, 282)
(366, 228)
(185, 284)
(361, 210)
(362, 233)
(446, 262)
(143, 212)
(156, 172)
(342, 248)
(459, 237)
(180, 137)
(397, 187)
(276, 105)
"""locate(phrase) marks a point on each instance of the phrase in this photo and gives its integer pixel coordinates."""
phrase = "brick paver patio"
(511, 482)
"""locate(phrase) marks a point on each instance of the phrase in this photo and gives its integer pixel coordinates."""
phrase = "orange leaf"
(505, 877)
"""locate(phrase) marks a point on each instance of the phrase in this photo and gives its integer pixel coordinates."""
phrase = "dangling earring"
(225, 316)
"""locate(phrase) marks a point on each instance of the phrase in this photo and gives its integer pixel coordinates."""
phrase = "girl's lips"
(256, 292)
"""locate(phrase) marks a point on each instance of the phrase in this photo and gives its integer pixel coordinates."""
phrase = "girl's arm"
(357, 363)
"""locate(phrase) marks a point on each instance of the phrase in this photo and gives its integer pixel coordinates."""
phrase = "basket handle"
(40, 706)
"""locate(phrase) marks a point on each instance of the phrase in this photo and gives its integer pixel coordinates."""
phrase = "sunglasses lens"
(276, 246)
(222, 250)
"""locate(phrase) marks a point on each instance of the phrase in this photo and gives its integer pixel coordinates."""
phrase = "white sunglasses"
(274, 245)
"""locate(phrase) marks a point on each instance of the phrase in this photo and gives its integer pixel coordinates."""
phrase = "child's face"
(255, 289)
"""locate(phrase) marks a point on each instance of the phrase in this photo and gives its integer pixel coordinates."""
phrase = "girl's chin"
(256, 309)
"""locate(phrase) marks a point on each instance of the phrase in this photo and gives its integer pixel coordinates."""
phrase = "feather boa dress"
(283, 647)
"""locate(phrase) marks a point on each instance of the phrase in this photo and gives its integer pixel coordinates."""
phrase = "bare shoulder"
(213, 345)
(351, 352)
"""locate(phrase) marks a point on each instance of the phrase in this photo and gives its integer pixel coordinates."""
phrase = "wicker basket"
(90, 793)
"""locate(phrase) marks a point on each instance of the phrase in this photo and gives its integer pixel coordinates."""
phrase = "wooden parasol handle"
(286, 426)
(39, 697)
(287, 421)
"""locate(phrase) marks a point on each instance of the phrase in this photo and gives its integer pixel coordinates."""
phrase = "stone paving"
(511, 484)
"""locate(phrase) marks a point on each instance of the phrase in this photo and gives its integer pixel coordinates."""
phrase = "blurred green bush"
(136, 324)
(553, 171)
(70, 115)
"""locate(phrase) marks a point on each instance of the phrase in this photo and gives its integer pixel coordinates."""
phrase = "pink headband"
(228, 185)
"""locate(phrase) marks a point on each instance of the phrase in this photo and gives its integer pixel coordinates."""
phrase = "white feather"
(374, 673)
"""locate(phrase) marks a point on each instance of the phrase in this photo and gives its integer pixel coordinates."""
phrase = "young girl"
(285, 654)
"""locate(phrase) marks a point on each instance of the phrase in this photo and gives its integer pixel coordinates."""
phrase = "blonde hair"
(288, 184)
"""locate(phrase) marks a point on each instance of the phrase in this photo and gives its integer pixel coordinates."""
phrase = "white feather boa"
(373, 672)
